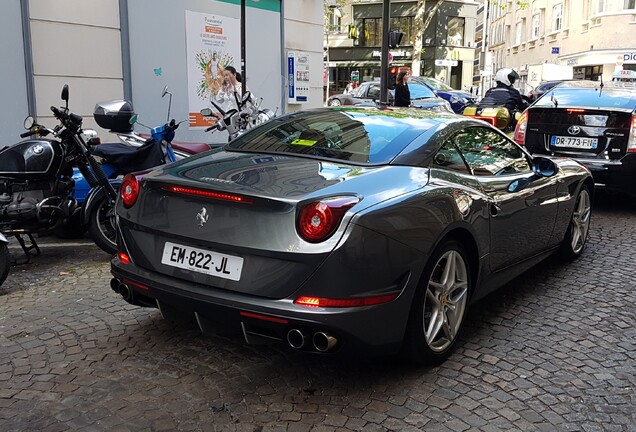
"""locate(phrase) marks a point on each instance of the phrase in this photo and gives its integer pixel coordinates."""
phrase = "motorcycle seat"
(128, 159)
(190, 147)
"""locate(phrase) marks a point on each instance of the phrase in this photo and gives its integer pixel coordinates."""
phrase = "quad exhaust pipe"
(321, 341)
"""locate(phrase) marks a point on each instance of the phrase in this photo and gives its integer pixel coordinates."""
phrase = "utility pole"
(243, 43)
(384, 62)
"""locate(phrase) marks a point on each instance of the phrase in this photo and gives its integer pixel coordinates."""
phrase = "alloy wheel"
(334, 102)
(445, 302)
(580, 224)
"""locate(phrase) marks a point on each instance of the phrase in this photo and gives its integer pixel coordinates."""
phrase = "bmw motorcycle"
(36, 184)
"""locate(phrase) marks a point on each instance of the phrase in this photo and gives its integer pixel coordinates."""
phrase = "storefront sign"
(629, 57)
(399, 53)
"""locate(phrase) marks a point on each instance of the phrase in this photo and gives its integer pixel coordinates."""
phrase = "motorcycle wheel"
(101, 225)
(5, 262)
(72, 229)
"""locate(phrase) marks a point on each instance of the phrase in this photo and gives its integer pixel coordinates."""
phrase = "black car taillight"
(129, 190)
(318, 220)
(631, 144)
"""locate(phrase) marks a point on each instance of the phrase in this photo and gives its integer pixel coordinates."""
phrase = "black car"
(591, 122)
(347, 229)
(368, 92)
(538, 91)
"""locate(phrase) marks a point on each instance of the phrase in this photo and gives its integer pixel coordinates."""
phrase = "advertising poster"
(212, 43)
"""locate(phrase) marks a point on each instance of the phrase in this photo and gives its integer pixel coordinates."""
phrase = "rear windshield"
(608, 97)
(353, 135)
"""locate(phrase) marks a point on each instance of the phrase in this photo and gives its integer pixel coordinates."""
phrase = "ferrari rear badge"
(202, 217)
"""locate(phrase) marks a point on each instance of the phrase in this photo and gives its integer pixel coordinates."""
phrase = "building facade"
(114, 49)
(353, 42)
(594, 37)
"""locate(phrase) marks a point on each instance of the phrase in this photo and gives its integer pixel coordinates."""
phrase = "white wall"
(75, 42)
(304, 22)
(12, 77)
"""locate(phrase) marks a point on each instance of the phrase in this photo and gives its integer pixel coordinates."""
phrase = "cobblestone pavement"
(553, 350)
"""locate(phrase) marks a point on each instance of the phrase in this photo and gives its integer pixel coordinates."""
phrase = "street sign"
(355, 76)
(446, 63)
(556, 50)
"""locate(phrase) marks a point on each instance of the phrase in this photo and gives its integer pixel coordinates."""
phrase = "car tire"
(5, 262)
(439, 307)
(101, 225)
(579, 228)
(335, 102)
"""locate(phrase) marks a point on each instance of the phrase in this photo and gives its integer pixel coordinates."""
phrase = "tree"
(419, 25)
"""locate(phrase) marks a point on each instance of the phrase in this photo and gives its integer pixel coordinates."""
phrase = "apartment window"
(518, 33)
(372, 32)
(536, 25)
(405, 25)
(335, 20)
(630, 4)
(599, 6)
(456, 27)
(557, 17)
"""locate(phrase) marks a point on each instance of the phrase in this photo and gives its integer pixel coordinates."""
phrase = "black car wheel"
(5, 262)
(102, 226)
(440, 305)
(578, 231)
(335, 102)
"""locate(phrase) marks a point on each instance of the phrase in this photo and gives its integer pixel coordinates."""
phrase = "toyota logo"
(574, 130)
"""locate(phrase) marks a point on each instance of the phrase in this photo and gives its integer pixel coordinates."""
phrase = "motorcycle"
(36, 185)
(237, 121)
(5, 259)
(119, 117)
(498, 116)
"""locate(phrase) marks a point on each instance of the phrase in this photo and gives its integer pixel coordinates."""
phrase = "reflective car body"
(325, 229)
(458, 99)
(369, 92)
(592, 123)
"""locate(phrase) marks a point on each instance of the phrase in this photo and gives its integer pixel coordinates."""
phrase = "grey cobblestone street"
(553, 350)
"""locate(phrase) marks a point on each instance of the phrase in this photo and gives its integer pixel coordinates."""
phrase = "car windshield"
(588, 97)
(420, 91)
(437, 85)
(347, 134)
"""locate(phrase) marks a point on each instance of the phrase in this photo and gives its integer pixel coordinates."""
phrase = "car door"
(522, 219)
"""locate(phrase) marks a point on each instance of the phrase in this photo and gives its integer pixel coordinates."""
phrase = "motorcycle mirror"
(133, 119)
(206, 112)
(165, 91)
(29, 122)
(246, 97)
(65, 93)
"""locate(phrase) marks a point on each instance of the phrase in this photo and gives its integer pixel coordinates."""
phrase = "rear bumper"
(617, 175)
(369, 330)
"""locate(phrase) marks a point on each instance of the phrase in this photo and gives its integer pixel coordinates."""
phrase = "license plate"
(575, 142)
(202, 261)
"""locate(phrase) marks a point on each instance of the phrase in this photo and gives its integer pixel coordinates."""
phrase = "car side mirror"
(543, 167)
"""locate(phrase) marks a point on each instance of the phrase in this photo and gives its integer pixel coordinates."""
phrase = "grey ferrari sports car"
(340, 230)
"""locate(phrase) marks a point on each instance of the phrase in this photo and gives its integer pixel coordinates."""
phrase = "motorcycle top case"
(32, 159)
(114, 115)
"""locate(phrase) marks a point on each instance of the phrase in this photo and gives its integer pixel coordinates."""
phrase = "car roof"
(589, 94)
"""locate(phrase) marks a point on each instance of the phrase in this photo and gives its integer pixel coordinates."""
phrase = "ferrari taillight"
(318, 220)
(129, 190)
(520, 129)
(631, 144)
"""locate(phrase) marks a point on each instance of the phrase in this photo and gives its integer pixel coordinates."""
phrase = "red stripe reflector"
(207, 194)
(355, 302)
(263, 317)
(135, 284)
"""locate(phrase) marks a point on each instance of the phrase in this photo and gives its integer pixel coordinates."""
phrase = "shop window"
(404, 25)
(371, 32)
(630, 4)
(456, 26)
(518, 33)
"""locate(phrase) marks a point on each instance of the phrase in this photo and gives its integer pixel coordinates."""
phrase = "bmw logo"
(574, 130)
(37, 149)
